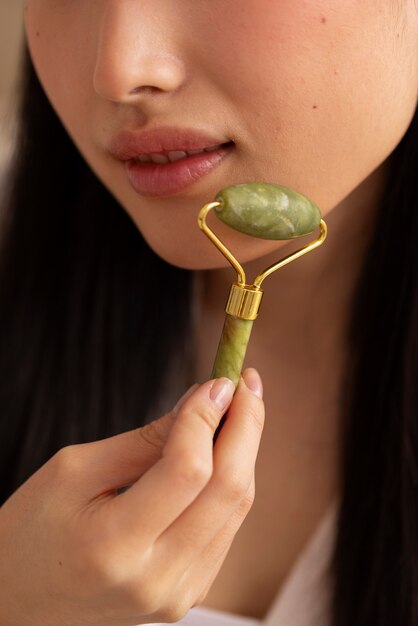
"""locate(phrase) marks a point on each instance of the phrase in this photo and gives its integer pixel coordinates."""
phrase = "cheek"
(46, 47)
(326, 91)
(61, 65)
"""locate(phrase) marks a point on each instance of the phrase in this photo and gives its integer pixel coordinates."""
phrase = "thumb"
(118, 461)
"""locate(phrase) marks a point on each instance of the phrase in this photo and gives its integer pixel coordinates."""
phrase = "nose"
(135, 55)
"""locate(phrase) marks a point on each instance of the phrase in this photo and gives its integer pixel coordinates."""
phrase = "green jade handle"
(231, 353)
(232, 348)
(265, 211)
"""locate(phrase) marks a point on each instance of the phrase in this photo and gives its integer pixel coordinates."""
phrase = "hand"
(76, 552)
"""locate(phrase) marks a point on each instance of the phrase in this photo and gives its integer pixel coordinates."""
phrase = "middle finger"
(235, 454)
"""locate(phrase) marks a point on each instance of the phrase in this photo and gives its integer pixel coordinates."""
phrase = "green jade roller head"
(267, 211)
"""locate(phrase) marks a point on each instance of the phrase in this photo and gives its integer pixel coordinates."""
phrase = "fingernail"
(253, 381)
(184, 398)
(221, 392)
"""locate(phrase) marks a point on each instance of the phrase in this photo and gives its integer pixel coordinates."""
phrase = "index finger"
(157, 499)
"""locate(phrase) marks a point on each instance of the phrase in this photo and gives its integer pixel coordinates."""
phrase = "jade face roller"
(262, 210)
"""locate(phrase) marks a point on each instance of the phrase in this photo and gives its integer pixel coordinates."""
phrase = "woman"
(105, 279)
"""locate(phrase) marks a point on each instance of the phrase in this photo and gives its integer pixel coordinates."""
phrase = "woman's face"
(313, 94)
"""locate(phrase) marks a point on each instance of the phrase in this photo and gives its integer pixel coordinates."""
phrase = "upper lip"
(129, 144)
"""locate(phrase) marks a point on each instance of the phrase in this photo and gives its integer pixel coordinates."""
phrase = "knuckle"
(256, 416)
(101, 557)
(193, 470)
(173, 612)
(144, 597)
(155, 433)
(104, 571)
(102, 566)
(67, 462)
(247, 501)
(207, 414)
(234, 487)
(202, 597)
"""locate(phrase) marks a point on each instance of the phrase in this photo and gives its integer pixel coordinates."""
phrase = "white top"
(304, 597)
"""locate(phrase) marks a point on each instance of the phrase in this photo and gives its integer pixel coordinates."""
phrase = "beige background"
(11, 34)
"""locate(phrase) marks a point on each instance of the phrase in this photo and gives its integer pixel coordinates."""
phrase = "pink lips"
(160, 179)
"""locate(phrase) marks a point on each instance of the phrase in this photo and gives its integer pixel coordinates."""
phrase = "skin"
(316, 96)
(89, 557)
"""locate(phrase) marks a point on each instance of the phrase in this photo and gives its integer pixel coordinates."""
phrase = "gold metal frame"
(244, 300)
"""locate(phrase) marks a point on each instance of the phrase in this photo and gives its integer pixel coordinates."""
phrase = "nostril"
(125, 69)
(144, 89)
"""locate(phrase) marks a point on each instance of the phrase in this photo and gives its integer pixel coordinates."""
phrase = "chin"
(189, 261)
(203, 255)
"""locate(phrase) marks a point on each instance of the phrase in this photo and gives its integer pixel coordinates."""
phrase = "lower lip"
(151, 179)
